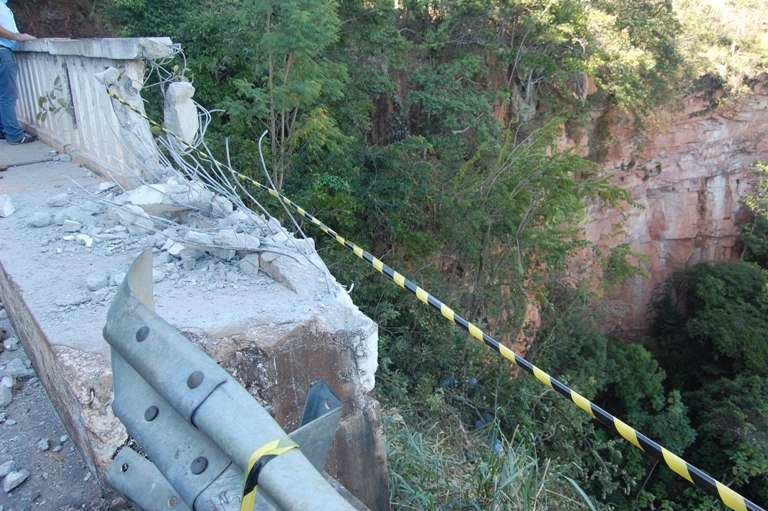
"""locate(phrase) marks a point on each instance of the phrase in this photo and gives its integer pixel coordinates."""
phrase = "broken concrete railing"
(62, 100)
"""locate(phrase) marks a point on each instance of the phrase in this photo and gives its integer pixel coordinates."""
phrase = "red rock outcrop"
(687, 178)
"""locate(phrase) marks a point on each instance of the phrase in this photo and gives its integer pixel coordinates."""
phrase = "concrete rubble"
(256, 299)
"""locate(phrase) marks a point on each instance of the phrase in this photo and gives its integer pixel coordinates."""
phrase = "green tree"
(635, 57)
(731, 417)
(754, 232)
(287, 81)
(711, 338)
(713, 323)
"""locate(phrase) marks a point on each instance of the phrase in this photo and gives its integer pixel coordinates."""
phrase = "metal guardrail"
(198, 426)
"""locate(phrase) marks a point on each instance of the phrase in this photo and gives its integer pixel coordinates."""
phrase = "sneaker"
(26, 139)
(2, 135)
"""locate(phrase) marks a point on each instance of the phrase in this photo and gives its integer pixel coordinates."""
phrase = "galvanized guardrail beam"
(198, 426)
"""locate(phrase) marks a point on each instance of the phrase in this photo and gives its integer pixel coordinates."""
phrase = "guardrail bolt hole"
(124, 467)
(142, 333)
(195, 379)
(151, 413)
(199, 465)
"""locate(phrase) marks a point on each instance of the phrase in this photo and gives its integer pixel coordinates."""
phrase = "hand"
(25, 37)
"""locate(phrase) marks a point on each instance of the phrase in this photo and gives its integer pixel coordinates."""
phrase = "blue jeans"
(8, 96)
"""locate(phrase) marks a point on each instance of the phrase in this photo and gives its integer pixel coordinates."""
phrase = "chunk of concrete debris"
(72, 226)
(44, 444)
(106, 185)
(11, 344)
(147, 194)
(235, 240)
(7, 467)
(250, 264)
(85, 240)
(58, 201)
(18, 369)
(135, 219)
(174, 248)
(14, 479)
(197, 238)
(72, 299)
(82, 214)
(40, 219)
(6, 396)
(96, 281)
(6, 206)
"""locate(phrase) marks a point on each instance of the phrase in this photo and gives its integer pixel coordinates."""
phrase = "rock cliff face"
(687, 178)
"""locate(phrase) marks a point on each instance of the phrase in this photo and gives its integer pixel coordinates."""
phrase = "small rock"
(7, 467)
(6, 396)
(96, 281)
(63, 439)
(199, 239)
(100, 295)
(157, 276)
(85, 240)
(134, 219)
(72, 226)
(6, 206)
(14, 479)
(58, 201)
(58, 448)
(72, 299)
(147, 194)
(18, 369)
(44, 444)
(173, 248)
(39, 219)
(11, 344)
(10, 422)
(7, 381)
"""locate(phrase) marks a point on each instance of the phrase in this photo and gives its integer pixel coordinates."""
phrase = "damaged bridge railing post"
(199, 428)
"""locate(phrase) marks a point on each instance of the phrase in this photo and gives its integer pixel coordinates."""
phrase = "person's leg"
(8, 97)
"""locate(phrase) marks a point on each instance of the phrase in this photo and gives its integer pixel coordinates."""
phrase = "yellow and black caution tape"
(695, 476)
(256, 464)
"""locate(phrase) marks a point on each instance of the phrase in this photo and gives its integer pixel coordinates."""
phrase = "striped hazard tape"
(256, 463)
(695, 476)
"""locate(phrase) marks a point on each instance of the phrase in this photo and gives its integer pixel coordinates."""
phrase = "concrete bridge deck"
(62, 252)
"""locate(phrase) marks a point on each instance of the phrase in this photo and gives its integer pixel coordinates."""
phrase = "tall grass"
(434, 468)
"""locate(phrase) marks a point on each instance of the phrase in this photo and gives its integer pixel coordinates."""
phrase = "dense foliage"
(427, 132)
(712, 330)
